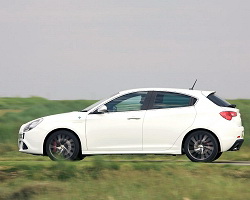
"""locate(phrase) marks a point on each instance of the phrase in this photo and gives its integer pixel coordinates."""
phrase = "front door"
(119, 129)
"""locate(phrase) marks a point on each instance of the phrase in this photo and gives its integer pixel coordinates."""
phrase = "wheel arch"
(60, 129)
(199, 129)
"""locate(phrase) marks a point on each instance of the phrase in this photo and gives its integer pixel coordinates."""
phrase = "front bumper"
(237, 145)
(32, 141)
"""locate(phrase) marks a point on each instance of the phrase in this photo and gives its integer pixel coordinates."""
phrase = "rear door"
(168, 116)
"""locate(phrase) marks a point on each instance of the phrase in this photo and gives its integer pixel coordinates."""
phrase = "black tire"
(217, 156)
(80, 156)
(201, 146)
(63, 145)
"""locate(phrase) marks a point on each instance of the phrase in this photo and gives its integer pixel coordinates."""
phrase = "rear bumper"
(236, 146)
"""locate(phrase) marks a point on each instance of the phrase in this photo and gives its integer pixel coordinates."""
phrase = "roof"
(183, 91)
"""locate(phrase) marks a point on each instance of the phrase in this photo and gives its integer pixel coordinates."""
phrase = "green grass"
(97, 179)
(24, 176)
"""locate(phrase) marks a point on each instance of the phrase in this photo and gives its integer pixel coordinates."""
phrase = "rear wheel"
(63, 145)
(218, 156)
(201, 146)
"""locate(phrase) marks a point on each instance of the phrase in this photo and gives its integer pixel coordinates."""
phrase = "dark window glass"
(171, 100)
(128, 102)
(218, 101)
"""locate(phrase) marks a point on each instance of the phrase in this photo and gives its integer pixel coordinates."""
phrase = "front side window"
(128, 102)
(171, 100)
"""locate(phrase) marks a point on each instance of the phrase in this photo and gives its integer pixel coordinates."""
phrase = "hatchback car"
(140, 121)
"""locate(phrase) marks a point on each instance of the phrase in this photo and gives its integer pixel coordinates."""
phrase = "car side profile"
(140, 121)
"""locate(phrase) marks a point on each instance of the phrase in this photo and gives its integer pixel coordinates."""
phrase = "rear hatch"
(229, 111)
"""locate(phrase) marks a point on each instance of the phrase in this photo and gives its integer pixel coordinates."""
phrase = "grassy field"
(27, 177)
(96, 179)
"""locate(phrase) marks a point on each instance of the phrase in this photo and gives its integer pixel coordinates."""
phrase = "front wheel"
(63, 145)
(201, 146)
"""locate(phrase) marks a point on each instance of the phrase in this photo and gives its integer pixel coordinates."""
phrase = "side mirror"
(102, 109)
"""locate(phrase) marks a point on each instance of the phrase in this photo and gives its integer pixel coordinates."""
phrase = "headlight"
(32, 124)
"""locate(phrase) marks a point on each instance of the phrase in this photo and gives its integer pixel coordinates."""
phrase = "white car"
(140, 121)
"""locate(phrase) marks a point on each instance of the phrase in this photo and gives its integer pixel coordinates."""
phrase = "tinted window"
(171, 100)
(218, 101)
(128, 102)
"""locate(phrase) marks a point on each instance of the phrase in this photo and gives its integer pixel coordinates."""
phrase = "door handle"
(136, 118)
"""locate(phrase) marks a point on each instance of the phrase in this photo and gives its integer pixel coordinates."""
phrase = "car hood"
(70, 116)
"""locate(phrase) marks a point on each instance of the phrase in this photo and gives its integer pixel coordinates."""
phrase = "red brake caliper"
(54, 146)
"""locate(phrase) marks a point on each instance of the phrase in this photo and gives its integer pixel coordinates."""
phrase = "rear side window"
(171, 100)
(218, 101)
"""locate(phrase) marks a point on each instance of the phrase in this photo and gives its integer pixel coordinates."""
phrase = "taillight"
(228, 115)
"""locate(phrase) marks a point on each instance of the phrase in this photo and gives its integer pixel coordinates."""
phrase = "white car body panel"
(103, 131)
(162, 127)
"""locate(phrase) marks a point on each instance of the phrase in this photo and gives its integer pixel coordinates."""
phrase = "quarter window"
(171, 100)
(128, 102)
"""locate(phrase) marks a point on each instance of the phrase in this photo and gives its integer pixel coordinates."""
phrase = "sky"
(91, 49)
